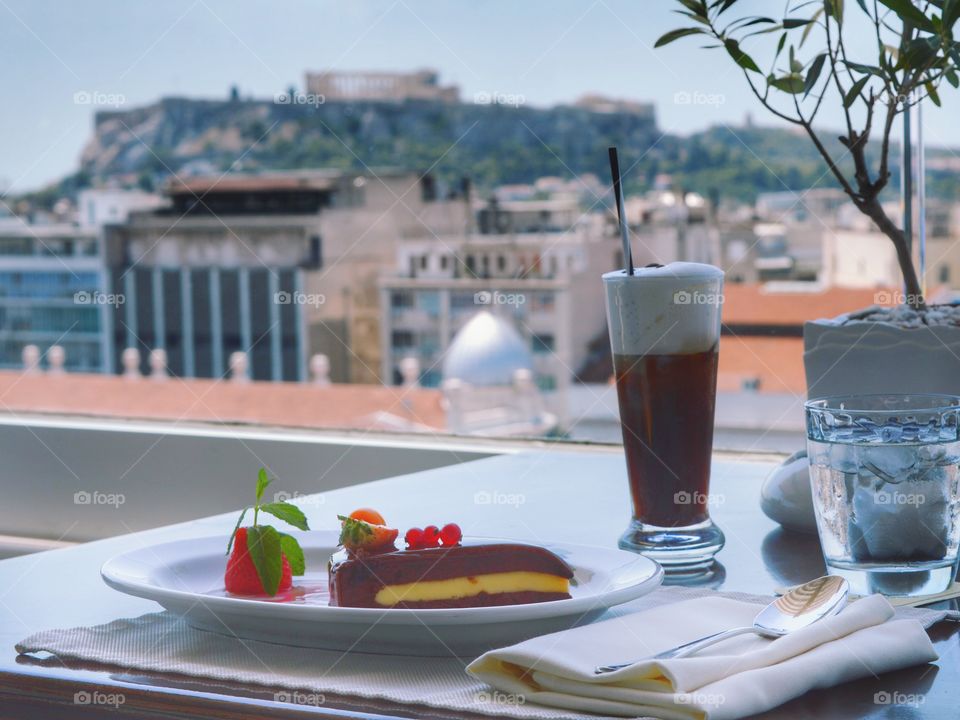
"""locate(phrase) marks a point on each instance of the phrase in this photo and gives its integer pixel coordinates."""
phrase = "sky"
(128, 53)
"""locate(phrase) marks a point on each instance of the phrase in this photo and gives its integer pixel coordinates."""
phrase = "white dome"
(486, 351)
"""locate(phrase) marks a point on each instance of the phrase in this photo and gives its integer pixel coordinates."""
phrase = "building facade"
(53, 284)
(278, 265)
(546, 281)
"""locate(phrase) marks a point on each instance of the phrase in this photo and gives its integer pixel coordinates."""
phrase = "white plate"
(186, 577)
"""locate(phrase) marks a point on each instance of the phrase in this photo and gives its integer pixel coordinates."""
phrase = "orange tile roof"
(357, 407)
(776, 361)
(751, 303)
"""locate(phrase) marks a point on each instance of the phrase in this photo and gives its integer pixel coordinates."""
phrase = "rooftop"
(356, 407)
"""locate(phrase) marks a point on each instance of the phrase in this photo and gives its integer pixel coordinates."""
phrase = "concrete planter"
(869, 356)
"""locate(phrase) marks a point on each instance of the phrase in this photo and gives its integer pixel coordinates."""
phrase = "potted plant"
(913, 53)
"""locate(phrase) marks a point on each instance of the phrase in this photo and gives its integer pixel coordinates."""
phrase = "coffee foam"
(671, 309)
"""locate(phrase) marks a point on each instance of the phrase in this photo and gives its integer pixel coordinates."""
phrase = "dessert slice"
(445, 576)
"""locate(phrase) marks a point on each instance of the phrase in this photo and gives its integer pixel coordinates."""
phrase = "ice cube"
(890, 463)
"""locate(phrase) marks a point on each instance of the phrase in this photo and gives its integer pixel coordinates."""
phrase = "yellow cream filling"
(461, 587)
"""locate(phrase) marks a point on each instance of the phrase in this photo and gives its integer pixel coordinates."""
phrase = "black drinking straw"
(618, 192)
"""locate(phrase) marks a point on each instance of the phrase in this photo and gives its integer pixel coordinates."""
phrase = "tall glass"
(885, 476)
(664, 326)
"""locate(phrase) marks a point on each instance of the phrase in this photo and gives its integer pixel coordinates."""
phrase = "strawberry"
(241, 577)
(361, 535)
(264, 560)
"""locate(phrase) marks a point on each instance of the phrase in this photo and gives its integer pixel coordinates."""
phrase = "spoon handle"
(679, 651)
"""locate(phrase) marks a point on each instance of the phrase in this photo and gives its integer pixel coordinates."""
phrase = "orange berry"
(368, 515)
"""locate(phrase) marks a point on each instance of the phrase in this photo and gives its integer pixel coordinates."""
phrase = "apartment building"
(53, 292)
(279, 265)
(524, 263)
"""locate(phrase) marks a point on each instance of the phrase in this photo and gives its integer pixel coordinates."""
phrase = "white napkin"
(738, 677)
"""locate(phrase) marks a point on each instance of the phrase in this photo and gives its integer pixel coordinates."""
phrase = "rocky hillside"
(493, 144)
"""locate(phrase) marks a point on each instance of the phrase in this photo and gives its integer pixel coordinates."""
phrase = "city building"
(537, 264)
(53, 293)
(279, 265)
(382, 86)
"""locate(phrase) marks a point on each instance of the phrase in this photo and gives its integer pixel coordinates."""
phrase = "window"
(542, 343)
(401, 299)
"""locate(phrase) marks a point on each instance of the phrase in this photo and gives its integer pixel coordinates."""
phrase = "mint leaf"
(294, 554)
(287, 512)
(262, 481)
(263, 542)
(353, 532)
(235, 528)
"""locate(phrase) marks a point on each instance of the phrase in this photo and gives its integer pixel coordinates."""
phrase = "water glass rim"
(860, 403)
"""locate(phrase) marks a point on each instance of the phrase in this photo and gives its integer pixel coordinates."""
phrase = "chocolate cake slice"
(449, 577)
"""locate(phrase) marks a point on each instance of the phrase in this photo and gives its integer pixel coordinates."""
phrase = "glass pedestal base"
(676, 548)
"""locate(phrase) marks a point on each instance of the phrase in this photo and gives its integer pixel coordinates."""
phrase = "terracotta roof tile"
(282, 404)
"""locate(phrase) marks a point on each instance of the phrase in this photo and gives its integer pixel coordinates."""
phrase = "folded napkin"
(737, 677)
(162, 642)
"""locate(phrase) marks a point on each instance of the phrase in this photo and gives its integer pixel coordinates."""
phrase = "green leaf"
(783, 40)
(697, 8)
(792, 84)
(811, 26)
(860, 68)
(791, 23)
(723, 4)
(908, 12)
(952, 78)
(813, 74)
(932, 92)
(758, 21)
(235, 528)
(287, 512)
(262, 481)
(951, 13)
(834, 9)
(854, 92)
(669, 37)
(294, 554)
(740, 57)
(353, 532)
(263, 542)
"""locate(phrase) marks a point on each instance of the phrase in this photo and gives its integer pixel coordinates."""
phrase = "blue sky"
(548, 51)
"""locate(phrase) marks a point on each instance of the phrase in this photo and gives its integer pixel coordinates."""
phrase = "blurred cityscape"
(476, 298)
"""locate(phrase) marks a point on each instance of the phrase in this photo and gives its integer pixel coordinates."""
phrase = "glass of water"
(885, 475)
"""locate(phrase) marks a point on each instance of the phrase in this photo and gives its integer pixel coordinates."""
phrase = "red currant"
(431, 536)
(451, 535)
(414, 538)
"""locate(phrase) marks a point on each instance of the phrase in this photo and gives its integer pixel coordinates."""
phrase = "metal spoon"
(795, 609)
